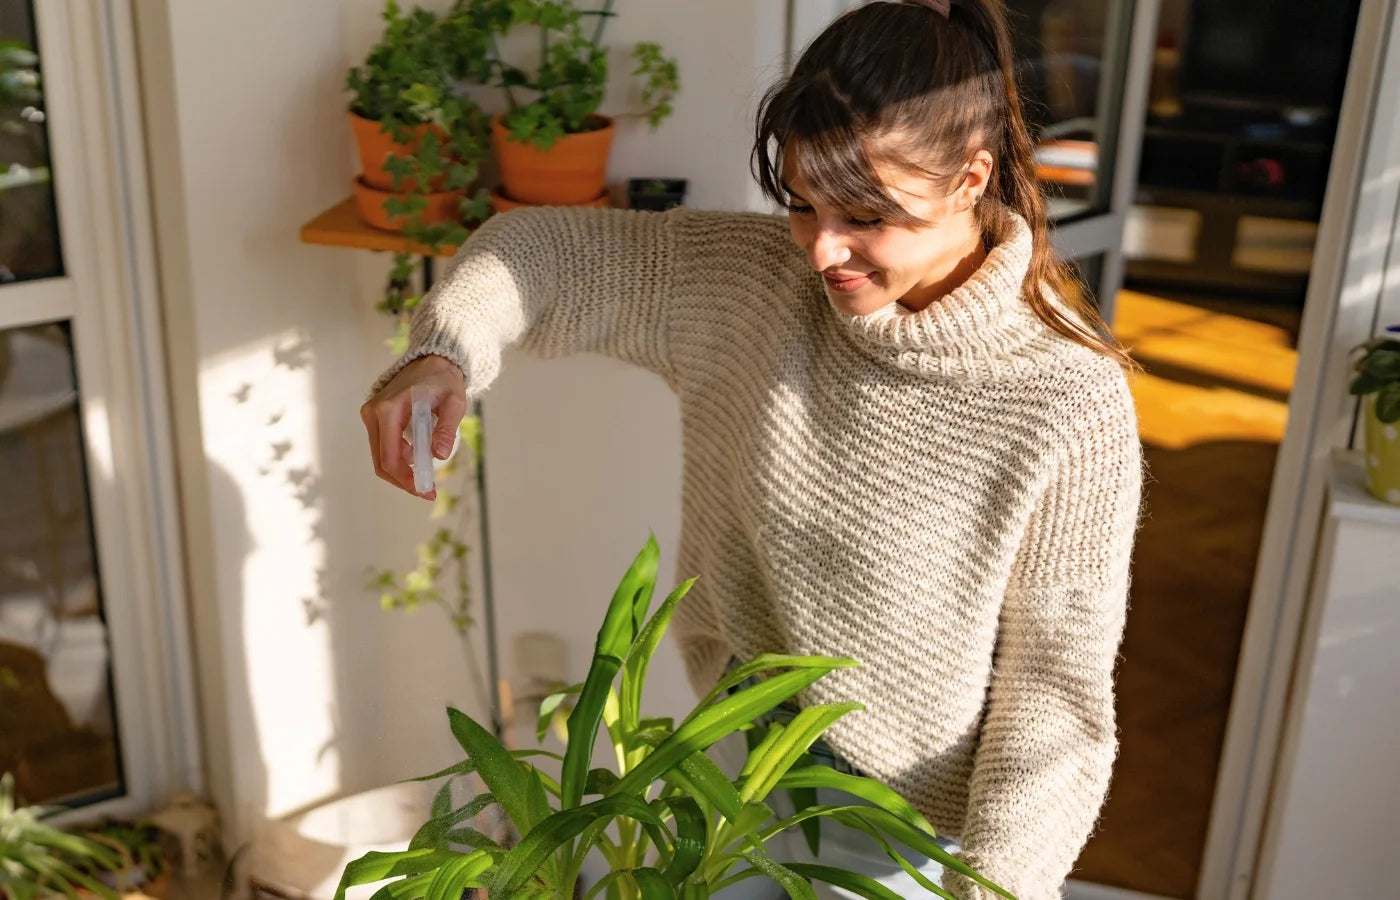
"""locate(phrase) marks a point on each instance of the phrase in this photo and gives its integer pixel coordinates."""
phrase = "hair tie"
(942, 7)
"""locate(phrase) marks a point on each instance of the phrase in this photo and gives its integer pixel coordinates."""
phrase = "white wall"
(309, 690)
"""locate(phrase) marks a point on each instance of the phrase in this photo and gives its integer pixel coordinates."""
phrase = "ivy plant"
(569, 79)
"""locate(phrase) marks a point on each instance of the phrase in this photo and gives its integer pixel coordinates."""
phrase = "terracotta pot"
(376, 145)
(569, 173)
(443, 206)
(501, 203)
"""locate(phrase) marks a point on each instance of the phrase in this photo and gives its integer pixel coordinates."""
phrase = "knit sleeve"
(554, 281)
(1048, 741)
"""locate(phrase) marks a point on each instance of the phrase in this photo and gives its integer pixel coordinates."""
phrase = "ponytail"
(1055, 293)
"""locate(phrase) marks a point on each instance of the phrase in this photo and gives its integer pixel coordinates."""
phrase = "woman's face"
(867, 264)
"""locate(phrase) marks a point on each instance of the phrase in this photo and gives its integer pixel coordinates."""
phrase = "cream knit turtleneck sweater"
(949, 496)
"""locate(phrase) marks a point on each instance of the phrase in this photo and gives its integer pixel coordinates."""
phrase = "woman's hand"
(387, 414)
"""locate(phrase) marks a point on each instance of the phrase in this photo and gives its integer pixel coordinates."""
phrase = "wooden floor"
(1212, 408)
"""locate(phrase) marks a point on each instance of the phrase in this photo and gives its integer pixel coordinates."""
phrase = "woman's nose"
(827, 249)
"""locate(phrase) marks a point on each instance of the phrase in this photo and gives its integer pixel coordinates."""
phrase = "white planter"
(305, 854)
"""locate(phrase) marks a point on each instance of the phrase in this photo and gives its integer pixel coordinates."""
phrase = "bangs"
(826, 151)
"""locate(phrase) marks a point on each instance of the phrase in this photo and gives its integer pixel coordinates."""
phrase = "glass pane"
(1072, 56)
(56, 704)
(29, 243)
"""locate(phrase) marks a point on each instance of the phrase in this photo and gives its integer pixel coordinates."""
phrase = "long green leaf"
(790, 746)
(615, 639)
(903, 863)
(690, 840)
(470, 837)
(805, 798)
(634, 670)
(700, 777)
(911, 837)
(377, 866)
(549, 705)
(434, 832)
(768, 661)
(506, 778)
(708, 725)
(410, 888)
(652, 885)
(790, 881)
(456, 876)
(526, 858)
(856, 883)
(759, 748)
(868, 789)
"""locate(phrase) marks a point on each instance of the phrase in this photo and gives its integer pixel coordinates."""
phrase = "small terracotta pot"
(443, 206)
(568, 174)
(501, 203)
(376, 145)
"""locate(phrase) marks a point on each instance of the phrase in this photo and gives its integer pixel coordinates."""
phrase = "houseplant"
(421, 141)
(655, 194)
(39, 861)
(140, 865)
(668, 821)
(1377, 383)
(553, 147)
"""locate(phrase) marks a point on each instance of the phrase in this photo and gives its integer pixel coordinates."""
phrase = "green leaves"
(790, 745)
(662, 81)
(1388, 403)
(670, 822)
(527, 857)
(503, 776)
(613, 644)
(37, 860)
(1378, 372)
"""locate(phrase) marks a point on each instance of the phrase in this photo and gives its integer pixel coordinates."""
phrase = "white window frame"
(108, 292)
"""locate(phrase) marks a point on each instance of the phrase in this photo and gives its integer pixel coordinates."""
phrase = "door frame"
(109, 294)
(1344, 298)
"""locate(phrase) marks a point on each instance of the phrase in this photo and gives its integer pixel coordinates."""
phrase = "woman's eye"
(865, 223)
(799, 209)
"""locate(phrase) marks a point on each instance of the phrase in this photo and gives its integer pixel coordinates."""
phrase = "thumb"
(449, 418)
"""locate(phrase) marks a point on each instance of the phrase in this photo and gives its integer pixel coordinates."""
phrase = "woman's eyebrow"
(790, 191)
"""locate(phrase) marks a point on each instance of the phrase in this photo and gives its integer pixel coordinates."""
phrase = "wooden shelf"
(341, 226)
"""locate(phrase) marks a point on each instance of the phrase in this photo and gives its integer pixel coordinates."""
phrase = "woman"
(906, 438)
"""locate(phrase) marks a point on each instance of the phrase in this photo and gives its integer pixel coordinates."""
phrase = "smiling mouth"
(843, 282)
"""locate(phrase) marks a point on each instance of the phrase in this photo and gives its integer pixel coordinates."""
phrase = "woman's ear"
(975, 182)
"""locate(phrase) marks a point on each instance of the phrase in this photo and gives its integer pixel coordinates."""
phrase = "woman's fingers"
(450, 411)
(393, 414)
(388, 413)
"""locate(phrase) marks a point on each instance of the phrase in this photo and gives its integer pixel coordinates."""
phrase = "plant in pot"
(421, 141)
(668, 821)
(655, 194)
(1377, 383)
(40, 861)
(553, 148)
(140, 867)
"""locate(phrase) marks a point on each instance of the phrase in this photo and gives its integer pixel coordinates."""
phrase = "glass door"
(1084, 67)
(58, 733)
(83, 687)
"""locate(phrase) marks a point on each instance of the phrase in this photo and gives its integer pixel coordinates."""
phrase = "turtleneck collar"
(983, 328)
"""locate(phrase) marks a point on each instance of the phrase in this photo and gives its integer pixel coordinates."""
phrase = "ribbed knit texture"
(949, 496)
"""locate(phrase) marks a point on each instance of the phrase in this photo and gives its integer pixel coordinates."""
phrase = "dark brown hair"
(902, 83)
